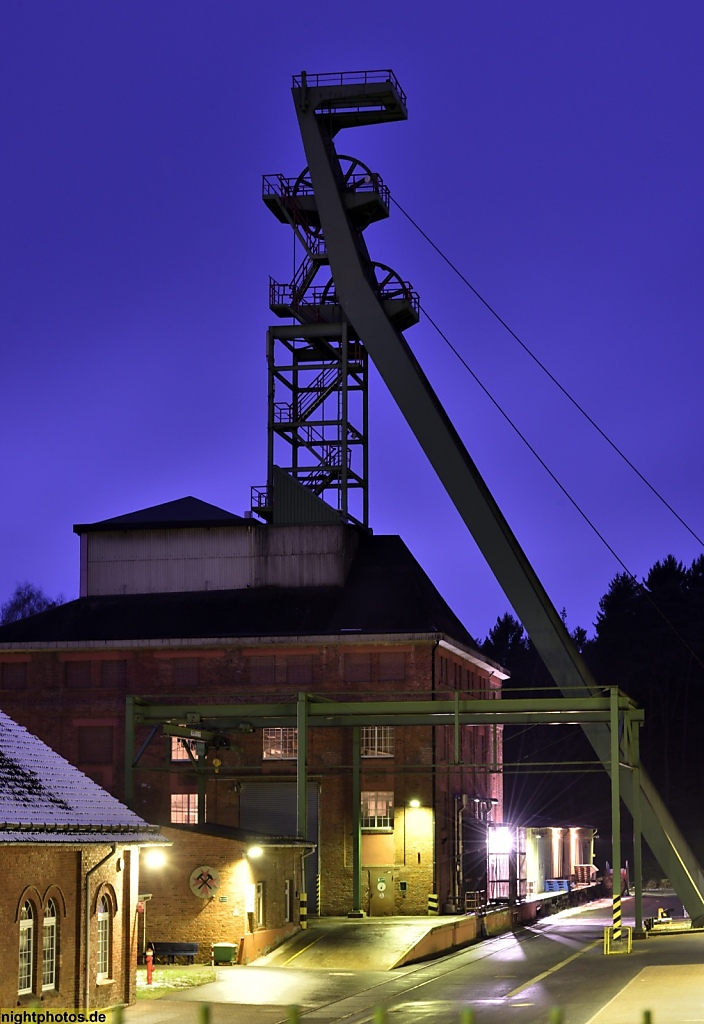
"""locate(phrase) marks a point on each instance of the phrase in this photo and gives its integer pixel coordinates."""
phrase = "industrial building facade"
(188, 604)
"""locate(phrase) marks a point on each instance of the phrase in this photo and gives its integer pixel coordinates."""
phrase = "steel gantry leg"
(356, 823)
(615, 819)
(301, 767)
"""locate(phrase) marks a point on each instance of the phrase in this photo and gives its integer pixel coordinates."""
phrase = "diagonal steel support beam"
(469, 493)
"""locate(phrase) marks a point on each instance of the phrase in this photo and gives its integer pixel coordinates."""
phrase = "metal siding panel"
(168, 561)
(162, 561)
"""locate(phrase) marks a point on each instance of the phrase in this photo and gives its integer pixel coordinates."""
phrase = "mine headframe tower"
(328, 206)
(318, 408)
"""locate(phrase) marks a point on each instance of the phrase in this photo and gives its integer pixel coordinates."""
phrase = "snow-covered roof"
(43, 798)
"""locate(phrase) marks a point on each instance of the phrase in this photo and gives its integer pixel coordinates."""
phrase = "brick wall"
(175, 914)
(38, 872)
(63, 716)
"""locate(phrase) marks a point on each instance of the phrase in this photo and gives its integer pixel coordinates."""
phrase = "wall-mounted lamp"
(154, 858)
(255, 851)
(414, 803)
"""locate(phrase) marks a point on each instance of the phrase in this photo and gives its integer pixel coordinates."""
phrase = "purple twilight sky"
(553, 150)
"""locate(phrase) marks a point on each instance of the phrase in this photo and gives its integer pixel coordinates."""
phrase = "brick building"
(69, 859)
(189, 604)
(223, 885)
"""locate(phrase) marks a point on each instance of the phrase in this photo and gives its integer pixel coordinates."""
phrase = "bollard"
(616, 918)
(647, 1017)
(303, 910)
(204, 1013)
(467, 1015)
(149, 960)
(116, 1014)
(433, 904)
(556, 1016)
(293, 1015)
(379, 1015)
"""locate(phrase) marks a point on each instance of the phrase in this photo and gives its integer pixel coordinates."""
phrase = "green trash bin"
(223, 953)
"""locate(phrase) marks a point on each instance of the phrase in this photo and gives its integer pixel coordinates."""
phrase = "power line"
(572, 501)
(551, 376)
(528, 445)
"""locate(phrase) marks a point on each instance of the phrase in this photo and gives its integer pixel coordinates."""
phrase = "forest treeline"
(648, 641)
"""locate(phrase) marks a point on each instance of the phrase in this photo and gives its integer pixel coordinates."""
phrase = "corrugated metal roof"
(43, 798)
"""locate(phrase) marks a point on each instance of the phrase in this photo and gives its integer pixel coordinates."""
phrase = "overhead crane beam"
(324, 106)
(207, 720)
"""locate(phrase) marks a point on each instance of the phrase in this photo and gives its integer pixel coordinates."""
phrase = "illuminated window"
(377, 810)
(259, 905)
(49, 947)
(184, 808)
(26, 971)
(288, 899)
(103, 938)
(377, 741)
(180, 747)
(280, 744)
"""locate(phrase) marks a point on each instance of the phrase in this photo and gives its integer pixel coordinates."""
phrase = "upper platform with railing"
(351, 98)
(364, 195)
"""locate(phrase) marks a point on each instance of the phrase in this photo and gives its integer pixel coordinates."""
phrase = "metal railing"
(322, 295)
(349, 78)
(288, 188)
(259, 498)
(466, 1015)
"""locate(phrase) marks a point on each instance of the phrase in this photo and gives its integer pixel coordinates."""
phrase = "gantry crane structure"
(361, 309)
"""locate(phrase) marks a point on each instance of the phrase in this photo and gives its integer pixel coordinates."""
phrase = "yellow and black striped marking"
(617, 919)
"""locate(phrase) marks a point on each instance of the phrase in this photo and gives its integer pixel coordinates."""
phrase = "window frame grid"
(282, 743)
(377, 741)
(180, 745)
(49, 947)
(103, 945)
(187, 813)
(377, 822)
(25, 973)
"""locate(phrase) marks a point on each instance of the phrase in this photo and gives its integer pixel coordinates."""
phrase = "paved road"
(512, 979)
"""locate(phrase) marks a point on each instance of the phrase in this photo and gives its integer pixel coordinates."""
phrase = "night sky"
(553, 151)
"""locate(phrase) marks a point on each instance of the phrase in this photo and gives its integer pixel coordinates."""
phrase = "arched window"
(49, 947)
(104, 919)
(26, 971)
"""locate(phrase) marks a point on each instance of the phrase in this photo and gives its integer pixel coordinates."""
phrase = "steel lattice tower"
(318, 397)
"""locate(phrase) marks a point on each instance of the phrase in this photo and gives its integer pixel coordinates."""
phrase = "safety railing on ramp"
(466, 1015)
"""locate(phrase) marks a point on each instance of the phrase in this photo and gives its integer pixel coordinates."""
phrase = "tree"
(507, 642)
(649, 642)
(27, 600)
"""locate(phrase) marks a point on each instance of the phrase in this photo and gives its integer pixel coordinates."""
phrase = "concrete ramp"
(369, 944)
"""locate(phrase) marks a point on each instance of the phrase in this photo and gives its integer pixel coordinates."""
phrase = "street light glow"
(500, 840)
(154, 858)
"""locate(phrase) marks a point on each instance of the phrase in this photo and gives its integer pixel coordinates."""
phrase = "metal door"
(381, 892)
